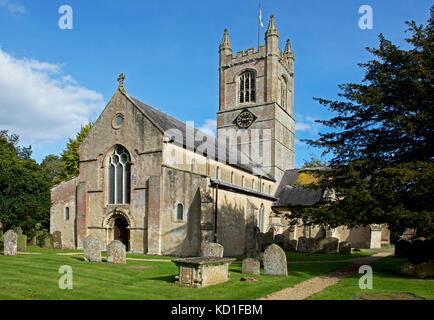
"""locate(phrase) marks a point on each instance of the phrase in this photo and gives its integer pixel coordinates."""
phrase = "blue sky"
(53, 80)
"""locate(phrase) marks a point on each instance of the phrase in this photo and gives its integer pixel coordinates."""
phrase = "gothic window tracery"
(120, 176)
(247, 88)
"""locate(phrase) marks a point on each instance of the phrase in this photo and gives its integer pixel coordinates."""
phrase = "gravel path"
(309, 287)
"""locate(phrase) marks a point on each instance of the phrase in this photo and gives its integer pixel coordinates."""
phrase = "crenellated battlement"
(247, 55)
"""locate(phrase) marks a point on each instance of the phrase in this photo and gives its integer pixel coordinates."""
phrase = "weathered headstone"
(92, 249)
(211, 249)
(251, 266)
(263, 240)
(256, 254)
(116, 252)
(327, 245)
(290, 245)
(305, 244)
(21, 242)
(425, 270)
(275, 261)
(57, 240)
(19, 231)
(406, 269)
(345, 247)
(10, 243)
(48, 242)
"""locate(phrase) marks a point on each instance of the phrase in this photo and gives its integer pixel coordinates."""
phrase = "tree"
(70, 155)
(53, 165)
(381, 141)
(24, 187)
(314, 162)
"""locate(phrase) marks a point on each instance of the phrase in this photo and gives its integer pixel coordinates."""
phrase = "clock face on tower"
(244, 119)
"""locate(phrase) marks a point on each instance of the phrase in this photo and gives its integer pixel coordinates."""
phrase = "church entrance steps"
(312, 286)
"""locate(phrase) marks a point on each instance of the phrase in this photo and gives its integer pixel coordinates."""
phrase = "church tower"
(257, 95)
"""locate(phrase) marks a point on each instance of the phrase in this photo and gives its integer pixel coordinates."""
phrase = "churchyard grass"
(384, 280)
(36, 277)
(302, 256)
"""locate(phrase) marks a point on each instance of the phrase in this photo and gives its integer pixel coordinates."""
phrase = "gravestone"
(116, 252)
(92, 249)
(275, 261)
(327, 245)
(425, 270)
(406, 269)
(10, 243)
(345, 247)
(211, 250)
(48, 242)
(256, 254)
(19, 231)
(305, 244)
(21, 242)
(263, 240)
(290, 245)
(401, 248)
(57, 240)
(251, 266)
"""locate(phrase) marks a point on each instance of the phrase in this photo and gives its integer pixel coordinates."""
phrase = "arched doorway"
(121, 232)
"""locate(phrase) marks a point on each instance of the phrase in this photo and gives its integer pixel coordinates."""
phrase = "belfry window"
(284, 93)
(247, 87)
(120, 176)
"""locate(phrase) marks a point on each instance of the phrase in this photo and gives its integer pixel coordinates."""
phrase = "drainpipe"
(215, 212)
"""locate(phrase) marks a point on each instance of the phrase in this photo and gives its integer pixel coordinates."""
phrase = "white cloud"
(302, 126)
(209, 127)
(13, 6)
(41, 104)
(305, 123)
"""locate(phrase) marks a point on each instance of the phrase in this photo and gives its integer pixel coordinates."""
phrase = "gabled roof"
(167, 122)
(288, 195)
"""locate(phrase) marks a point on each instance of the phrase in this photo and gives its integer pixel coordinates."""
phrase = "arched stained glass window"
(119, 176)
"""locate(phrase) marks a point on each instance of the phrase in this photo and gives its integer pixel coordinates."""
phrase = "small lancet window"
(232, 178)
(217, 171)
(247, 87)
(192, 166)
(67, 213)
(179, 212)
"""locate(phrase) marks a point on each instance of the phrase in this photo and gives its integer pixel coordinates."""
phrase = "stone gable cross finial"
(121, 79)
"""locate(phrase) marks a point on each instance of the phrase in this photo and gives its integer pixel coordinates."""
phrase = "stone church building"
(163, 187)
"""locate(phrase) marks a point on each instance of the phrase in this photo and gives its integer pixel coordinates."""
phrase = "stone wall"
(62, 197)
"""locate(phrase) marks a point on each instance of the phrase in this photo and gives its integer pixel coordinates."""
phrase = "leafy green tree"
(314, 162)
(70, 155)
(53, 165)
(24, 187)
(381, 141)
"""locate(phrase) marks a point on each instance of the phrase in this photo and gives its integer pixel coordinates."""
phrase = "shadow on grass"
(167, 278)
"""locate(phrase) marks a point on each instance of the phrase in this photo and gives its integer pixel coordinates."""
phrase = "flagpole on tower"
(259, 24)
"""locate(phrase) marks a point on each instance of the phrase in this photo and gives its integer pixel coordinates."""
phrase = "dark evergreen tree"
(381, 141)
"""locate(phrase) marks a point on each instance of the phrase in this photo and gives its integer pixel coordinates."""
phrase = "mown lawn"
(301, 256)
(384, 280)
(36, 277)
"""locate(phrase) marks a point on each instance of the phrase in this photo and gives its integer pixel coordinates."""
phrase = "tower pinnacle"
(225, 44)
(271, 30)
